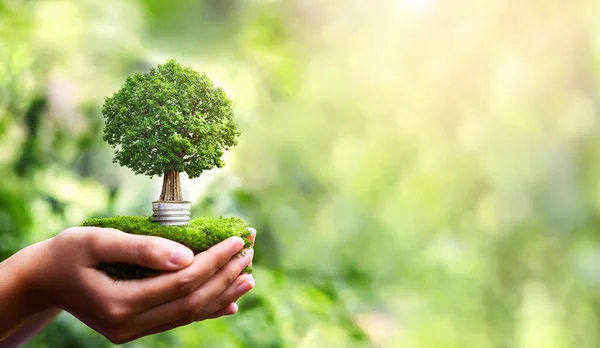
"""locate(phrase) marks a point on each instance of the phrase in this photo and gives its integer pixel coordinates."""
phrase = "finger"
(113, 246)
(240, 287)
(191, 305)
(143, 294)
(231, 309)
(252, 238)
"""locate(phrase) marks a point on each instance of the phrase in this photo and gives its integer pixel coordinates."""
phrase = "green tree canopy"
(169, 119)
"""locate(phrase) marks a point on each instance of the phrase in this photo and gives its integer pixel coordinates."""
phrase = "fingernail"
(238, 240)
(245, 287)
(235, 309)
(181, 256)
(252, 231)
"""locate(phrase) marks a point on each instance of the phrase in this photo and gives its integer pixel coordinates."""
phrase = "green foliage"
(15, 220)
(171, 118)
(31, 154)
(199, 235)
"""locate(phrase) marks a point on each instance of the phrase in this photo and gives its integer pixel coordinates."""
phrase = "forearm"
(30, 328)
(18, 303)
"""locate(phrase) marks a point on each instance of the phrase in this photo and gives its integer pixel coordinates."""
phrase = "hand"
(61, 272)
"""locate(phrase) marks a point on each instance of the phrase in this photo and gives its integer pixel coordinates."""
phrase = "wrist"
(34, 275)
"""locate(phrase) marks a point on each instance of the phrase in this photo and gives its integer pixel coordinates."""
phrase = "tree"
(169, 120)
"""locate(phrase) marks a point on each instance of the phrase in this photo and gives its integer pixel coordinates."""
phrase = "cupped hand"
(198, 287)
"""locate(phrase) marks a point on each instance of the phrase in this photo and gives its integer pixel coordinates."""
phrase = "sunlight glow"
(415, 6)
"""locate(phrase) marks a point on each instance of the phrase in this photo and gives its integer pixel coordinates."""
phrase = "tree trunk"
(171, 188)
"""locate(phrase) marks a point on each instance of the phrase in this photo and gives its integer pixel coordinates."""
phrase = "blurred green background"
(422, 173)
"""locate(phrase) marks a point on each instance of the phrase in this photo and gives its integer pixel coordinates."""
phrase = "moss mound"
(199, 235)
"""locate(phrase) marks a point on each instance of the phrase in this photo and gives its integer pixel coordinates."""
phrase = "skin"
(59, 274)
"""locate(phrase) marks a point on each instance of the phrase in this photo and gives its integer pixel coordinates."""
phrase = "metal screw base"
(171, 213)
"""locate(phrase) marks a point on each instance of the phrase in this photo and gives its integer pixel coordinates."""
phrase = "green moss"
(199, 235)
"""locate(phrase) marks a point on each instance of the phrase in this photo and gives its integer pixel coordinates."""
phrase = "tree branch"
(194, 107)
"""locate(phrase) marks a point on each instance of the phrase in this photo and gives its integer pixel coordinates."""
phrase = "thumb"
(113, 246)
